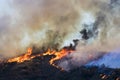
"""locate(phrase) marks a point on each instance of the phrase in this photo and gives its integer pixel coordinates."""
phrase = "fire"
(58, 55)
(27, 56)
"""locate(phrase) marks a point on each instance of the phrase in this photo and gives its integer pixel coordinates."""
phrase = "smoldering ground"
(50, 22)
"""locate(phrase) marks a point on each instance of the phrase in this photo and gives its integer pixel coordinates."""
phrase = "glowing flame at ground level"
(28, 55)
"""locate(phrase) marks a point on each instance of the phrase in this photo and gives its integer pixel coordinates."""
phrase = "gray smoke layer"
(103, 34)
(110, 60)
(24, 23)
(39, 23)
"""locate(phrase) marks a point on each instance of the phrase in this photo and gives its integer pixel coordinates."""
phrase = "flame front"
(27, 56)
(58, 55)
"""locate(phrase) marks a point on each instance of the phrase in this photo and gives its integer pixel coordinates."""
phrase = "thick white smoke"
(103, 34)
(37, 23)
(27, 23)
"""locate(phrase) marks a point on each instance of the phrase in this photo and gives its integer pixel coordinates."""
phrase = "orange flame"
(58, 55)
(23, 58)
(27, 56)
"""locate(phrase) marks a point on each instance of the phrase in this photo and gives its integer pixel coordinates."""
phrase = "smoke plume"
(100, 36)
(39, 23)
(49, 23)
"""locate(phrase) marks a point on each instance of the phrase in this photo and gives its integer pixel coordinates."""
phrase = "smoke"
(110, 60)
(37, 23)
(55, 23)
(99, 37)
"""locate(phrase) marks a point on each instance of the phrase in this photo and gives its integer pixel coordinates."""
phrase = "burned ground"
(40, 69)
